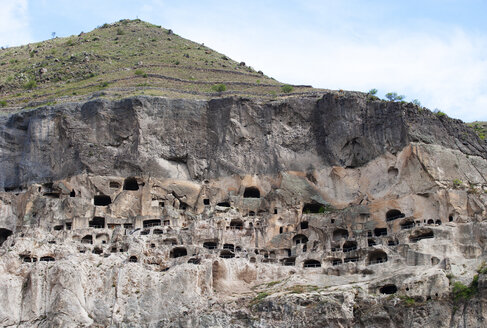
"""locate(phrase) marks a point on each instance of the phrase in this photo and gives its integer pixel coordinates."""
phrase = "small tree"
(372, 92)
(393, 96)
(416, 102)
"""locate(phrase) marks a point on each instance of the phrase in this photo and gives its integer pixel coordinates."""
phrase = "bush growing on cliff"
(371, 95)
(220, 87)
(287, 88)
(29, 85)
(461, 292)
(439, 113)
(3, 103)
(140, 72)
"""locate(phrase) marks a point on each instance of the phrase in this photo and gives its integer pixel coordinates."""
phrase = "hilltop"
(126, 58)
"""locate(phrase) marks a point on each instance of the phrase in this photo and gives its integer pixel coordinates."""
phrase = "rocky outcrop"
(196, 140)
(317, 211)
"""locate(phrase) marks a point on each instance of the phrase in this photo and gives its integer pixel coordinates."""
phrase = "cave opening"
(130, 183)
(300, 239)
(102, 200)
(311, 264)
(313, 208)
(210, 244)
(88, 239)
(151, 223)
(97, 222)
(251, 192)
(178, 252)
(388, 289)
(236, 224)
(349, 246)
(377, 257)
(4, 234)
(380, 232)
(226, 254)
(394, 215)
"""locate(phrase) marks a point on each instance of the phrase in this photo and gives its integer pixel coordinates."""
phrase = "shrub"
(120, 31)
(372, 92)
(140, 72)
(482, 268)
(3, 103)
(481, 131)
(29, 85)
(287, 88)
(416, 102)
(219, 87)
(460, 292)
(393, 96)
(104, 85)
(457, 183)
(439, 113)
(409, 301)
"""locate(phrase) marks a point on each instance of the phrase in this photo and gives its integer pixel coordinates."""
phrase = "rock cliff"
(328, 209)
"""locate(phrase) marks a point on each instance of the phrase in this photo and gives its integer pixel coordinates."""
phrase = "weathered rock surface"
(305, 212)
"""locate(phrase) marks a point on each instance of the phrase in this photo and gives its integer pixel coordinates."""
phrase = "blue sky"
(432, 50)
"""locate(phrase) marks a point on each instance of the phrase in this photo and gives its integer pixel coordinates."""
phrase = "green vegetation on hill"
(130, 57)
(480, 128)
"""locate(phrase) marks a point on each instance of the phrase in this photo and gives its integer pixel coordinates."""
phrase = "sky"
(431, 50)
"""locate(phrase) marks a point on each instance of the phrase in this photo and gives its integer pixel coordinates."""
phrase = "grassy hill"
(130, 57)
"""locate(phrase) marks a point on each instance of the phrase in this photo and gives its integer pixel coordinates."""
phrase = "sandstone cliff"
(321, 210)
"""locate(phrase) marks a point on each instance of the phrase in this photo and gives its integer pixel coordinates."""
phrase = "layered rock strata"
(327, 210)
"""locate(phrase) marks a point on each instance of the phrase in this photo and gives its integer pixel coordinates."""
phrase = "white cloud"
(14, 23)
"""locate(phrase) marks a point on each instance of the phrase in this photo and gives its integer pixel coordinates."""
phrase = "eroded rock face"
(308, 212)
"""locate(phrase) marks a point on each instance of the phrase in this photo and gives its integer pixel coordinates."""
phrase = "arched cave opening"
(394, 214)
(300, 239)
(251, 192)
(377, 257)
(88, 239)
